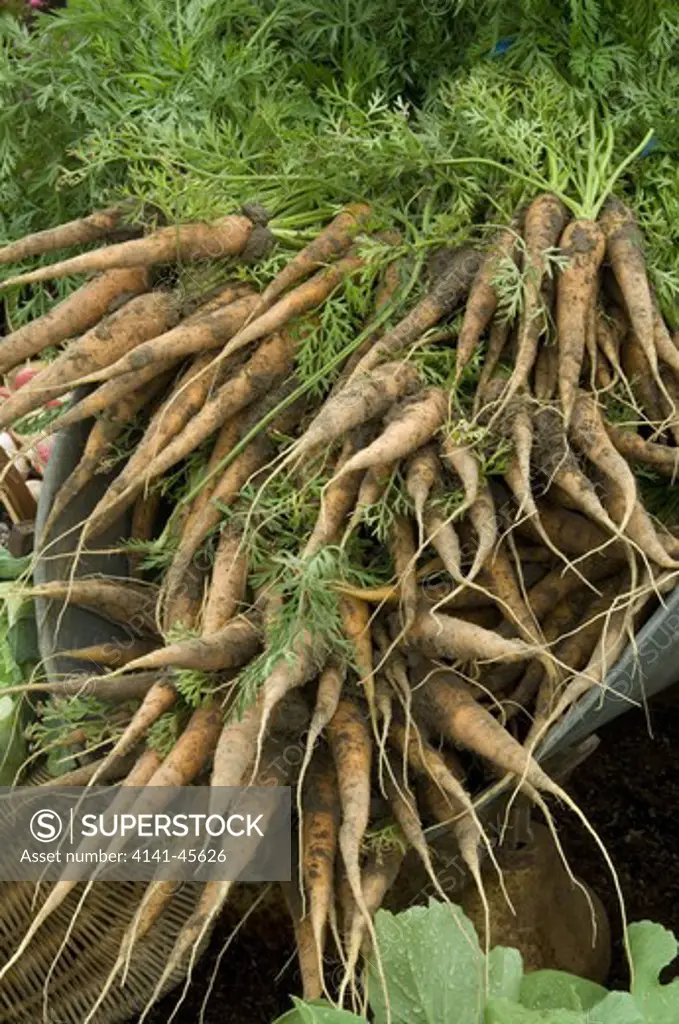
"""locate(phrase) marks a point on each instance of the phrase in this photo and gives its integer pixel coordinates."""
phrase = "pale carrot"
(544, 223)
(423, 472)
(82, 231)
(404, 557)
(446, 294)
(217, 240)
(483, 297)
(73, 316)
(367, 395)
(229, 578)
(142, 317)
(584, 243)
(120, 602)
(448, 637)
(332, 242)
(233, 645)
(408, 427)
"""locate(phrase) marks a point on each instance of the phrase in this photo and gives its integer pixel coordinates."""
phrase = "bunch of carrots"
(521, 554)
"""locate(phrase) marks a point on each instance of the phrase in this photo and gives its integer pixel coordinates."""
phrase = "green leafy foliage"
(437, 973)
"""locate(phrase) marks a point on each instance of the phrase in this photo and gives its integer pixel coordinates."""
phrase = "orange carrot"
(463, 720)
(462, 460)
(76, 232)
(332, 242)
(72, 317)
(498, 336)
(159, 699)
(446, 294)
(356, 623)
(584, 243)
(221, 238)
(351, 749)
(190, 754)
(483, 299)
(337, 500)
(142, 317)
(546, 373)
(589, 434)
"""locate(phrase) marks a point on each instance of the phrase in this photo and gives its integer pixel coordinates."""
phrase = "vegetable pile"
(399, 509)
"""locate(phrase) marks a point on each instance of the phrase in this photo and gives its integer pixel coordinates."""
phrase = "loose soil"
(629, 789)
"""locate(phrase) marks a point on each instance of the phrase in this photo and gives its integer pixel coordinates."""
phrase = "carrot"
(351, 749)
(462, 460)
(404, 808)
(356, 625)
(99, 442)
(448, 637)
(546, 373)
(111, 655)
(371, 488)
(337, 500)
(159, 699)
(404, 557)
(215, 894)
(308, 958)
(333, 241)
(190, 417)
(106, 687)
(120, 602)
(440, 533)
(544, 223)
(500, 582)
(662, 339)
(88, 229)
(142, 317)
(462, 719)
(306, 296)
(378, 876)
(406, 428)
(230, 647)
(72, 317)
(299, 664)
(229, 578)
(637, 371)
(559, 466)
(190, 754)
(225, 237)
(448, 291)
(424, 470)
(483, 518)
(144, 518)
(206, 516)
(388, 286)
(319, 847)
(363, 398)
(199, 333)
(483, 298)
(584, 243)
(638, 526)
(498, 336)
(637, 449)
(589, 434)
(185, 606)
(624, 252)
